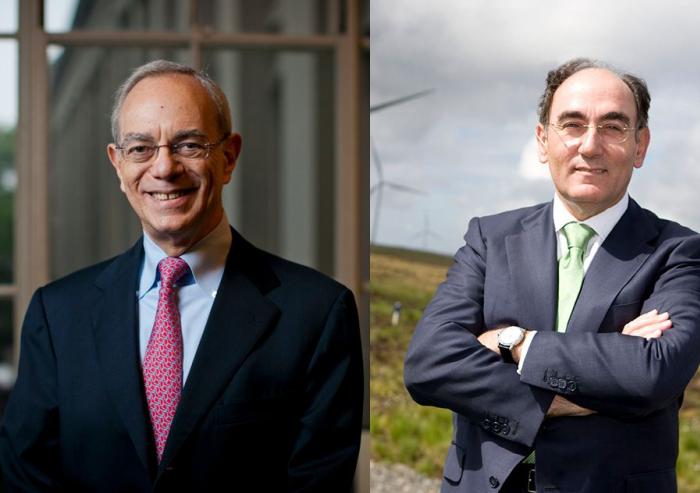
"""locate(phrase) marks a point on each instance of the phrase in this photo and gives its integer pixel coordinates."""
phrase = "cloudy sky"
(469, 145)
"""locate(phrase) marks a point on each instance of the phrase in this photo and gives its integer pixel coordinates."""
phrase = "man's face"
(590, 174)
(177, 200)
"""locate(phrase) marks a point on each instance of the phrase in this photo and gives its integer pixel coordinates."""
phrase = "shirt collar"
(602, 223)
(206, 259)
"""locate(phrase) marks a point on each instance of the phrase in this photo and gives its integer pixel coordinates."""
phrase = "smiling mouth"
(592, 171)
(168, 196)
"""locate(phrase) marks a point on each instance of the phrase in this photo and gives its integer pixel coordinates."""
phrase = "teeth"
(167, 196)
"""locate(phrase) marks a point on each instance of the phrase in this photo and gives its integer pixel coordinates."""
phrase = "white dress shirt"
(602, 223)
(196, 290)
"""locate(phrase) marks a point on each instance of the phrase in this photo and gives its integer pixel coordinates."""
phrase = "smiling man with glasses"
(194, 361)
(565, 333)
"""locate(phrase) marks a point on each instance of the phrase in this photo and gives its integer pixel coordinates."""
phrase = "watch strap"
(506, 354)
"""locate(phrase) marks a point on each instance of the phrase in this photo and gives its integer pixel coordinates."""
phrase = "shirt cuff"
(523, 351)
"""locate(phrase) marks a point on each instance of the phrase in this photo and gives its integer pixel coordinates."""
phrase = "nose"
(590, 143)
(164, 166)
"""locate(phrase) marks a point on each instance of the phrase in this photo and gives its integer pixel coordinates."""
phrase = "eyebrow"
(179, 136)
(611, 115)
(188, 133)
(131, 136)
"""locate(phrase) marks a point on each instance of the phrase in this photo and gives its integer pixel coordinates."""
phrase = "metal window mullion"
(166, 38)
(8, 291)
(31, 212)
(348, 233)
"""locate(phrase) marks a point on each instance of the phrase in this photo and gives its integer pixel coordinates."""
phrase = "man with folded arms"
(565, 333)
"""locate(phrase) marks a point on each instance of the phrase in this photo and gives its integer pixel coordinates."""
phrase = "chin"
(171, 227)
(586, 194)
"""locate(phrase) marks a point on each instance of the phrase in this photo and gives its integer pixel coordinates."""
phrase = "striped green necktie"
(571, 270)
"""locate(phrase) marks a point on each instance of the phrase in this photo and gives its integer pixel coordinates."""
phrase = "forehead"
(593, 92)
(167, 103)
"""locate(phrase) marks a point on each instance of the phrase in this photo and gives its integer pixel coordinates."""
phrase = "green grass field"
(418, 436)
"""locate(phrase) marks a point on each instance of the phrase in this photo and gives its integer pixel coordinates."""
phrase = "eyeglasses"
(139, 153)
(610, 133)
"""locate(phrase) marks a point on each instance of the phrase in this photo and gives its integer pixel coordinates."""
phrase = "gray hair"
(165, 67)
(556, 77)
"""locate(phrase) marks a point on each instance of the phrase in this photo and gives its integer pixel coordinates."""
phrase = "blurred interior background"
(296, 75)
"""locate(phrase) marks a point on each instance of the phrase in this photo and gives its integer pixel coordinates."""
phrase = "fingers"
(645, 319)
(653, 330)
(649, 325)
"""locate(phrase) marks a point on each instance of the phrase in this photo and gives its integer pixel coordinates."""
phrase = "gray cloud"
(466, 142)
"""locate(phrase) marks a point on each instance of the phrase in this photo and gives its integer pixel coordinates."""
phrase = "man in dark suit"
(531, 356)
(194, 361)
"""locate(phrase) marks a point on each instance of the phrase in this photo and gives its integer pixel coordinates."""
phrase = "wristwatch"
(508, 338)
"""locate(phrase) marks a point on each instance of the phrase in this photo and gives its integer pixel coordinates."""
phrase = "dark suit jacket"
(273, 401)
(507, 274)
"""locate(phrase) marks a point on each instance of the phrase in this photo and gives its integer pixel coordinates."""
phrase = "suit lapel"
(620, 256)
(115, 329)
(532, 262)
(240, 316)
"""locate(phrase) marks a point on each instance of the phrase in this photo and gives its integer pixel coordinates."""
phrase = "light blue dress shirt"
(195, 291)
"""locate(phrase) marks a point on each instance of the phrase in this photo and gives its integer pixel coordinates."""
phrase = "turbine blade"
(403, 99)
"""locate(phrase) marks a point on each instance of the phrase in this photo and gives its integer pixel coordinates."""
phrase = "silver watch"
(508, 338)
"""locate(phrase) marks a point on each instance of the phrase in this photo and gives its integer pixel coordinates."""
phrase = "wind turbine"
(381, 184)
(426, 232)
(379, 187)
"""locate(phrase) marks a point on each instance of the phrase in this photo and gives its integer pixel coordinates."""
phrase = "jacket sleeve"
(625, 375)
(325, 452)
(446, 366)
(29, 438)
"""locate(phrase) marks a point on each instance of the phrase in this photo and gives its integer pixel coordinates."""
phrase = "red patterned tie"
(162, 365)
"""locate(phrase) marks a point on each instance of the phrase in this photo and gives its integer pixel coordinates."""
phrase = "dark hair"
(164, 67)
(556, 77)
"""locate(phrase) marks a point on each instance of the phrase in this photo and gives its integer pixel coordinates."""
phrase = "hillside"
(417, 436)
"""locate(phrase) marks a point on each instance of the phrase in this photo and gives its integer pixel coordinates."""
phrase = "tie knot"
(171, 270)
(577, 235)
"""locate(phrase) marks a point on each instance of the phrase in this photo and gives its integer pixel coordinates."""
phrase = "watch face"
(510, 336)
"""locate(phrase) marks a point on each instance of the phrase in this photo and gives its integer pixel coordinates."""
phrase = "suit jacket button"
(562, 383)
(494, 482)
(572, 386)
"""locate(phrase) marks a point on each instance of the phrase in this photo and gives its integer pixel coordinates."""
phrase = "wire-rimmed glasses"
(138, 152)
(609, 132)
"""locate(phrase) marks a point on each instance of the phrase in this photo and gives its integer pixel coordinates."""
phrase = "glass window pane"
(282, 193)
(270, 16)
(90, 219)
(8, 19)
(139, 15)
(8, 174)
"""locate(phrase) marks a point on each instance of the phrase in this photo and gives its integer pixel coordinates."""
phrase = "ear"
(232, 149)
(541, 136)
(643, 140)
(116, 160)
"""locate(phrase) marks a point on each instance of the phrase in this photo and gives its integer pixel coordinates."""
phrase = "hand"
(563, 407)
(649, 325)
(490, 340)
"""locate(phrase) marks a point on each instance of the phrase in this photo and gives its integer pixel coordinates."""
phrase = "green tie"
(570, 278)
(571, 270)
